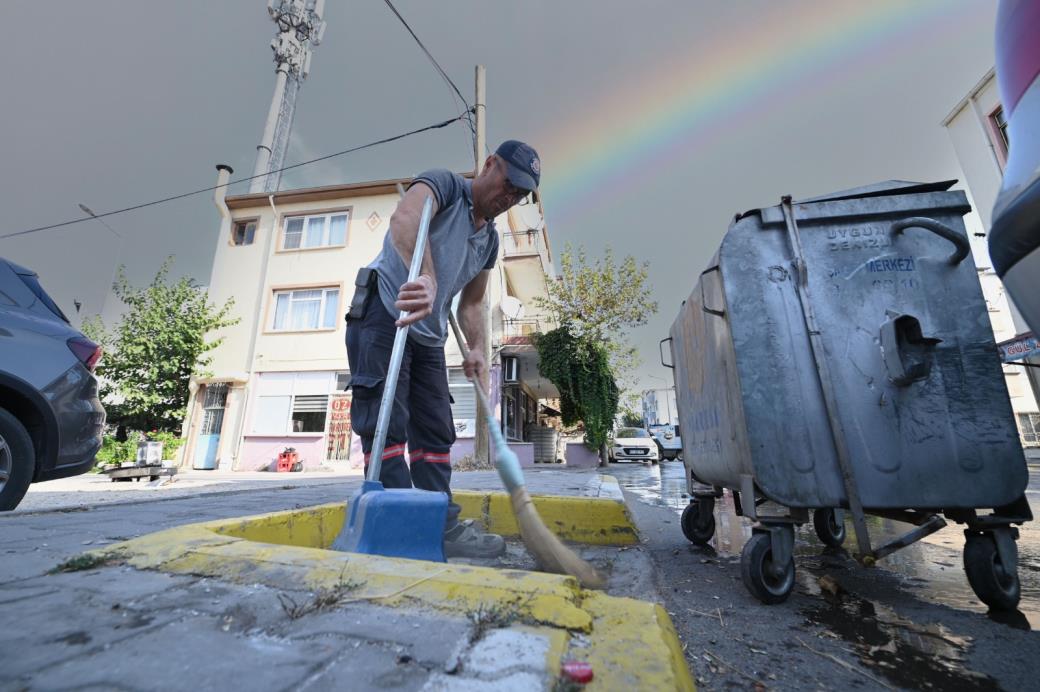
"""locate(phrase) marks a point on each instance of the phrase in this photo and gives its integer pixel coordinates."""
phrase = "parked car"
(51, 419)
(1014, 239)
(669, 446)
(633, 444)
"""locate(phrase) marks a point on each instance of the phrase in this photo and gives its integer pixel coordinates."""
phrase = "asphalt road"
(912, 622)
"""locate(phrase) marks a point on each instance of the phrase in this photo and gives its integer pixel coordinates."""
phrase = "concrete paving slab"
(192, 653)
(433, 641)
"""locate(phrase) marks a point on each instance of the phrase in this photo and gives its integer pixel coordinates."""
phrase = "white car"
(633, 444)
(669, 446)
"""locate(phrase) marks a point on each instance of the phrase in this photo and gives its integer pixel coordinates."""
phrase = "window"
(32, 282)
(308, 413)
(243, 233)
(213, 408)
(305, 308)
(461, 390)
(1029, 424)
(1000, 125)
(292, 402)
(322, 230)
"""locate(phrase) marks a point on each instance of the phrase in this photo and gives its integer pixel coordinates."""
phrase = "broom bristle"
(550, 553)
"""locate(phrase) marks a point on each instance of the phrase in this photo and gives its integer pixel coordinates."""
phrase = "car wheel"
(16, 461)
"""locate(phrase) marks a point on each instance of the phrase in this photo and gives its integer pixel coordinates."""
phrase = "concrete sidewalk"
(284, 617)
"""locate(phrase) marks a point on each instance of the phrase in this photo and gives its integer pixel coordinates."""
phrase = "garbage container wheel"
(995, 586)
(697, 525)
(829, 529)
(756, 563)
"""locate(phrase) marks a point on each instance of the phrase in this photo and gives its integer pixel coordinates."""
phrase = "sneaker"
(466, 540)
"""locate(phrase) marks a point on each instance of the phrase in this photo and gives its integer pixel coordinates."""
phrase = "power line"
(435, 126)
(437, 66)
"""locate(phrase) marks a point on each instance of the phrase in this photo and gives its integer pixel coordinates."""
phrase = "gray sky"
(656, 121)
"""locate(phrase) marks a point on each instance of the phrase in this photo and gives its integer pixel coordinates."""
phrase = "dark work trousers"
(421, 415)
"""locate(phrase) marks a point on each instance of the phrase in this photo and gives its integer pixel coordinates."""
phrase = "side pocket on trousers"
(364, 405)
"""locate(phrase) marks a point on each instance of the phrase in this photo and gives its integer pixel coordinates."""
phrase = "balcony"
(527, 263)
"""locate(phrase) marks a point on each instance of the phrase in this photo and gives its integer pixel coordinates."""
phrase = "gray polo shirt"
(459, 253)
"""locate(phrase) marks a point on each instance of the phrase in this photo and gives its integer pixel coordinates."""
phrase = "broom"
(550, 553)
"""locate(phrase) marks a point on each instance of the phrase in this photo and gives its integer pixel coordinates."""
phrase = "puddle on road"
(930, 568)
(910, 655)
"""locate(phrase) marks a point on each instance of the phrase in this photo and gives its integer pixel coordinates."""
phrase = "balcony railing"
(524, 327)
(529, 242)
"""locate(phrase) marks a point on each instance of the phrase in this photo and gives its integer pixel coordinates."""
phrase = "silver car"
(51, 419)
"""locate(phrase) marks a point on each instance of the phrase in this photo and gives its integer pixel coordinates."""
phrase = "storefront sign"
(465, 427)
(1019, 348)
(338, 438)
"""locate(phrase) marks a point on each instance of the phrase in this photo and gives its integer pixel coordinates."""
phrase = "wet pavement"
(910, 622)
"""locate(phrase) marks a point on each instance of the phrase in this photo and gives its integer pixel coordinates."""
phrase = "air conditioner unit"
(510, 369)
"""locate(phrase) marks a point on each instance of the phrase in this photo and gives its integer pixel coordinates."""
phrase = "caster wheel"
(830, 526)
(697, 528)
(992, 583)
(756, 565)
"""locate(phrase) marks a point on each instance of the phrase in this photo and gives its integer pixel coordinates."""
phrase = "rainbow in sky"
(720, 85)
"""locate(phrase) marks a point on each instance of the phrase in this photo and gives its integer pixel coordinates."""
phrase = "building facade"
(978, 130)
(659, 407)
(279, 378)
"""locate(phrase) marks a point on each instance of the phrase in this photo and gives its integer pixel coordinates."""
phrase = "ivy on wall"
(580, 369)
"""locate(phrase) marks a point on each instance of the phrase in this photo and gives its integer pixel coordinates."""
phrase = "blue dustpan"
(395, 522)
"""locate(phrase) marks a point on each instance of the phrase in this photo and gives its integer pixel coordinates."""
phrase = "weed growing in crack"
(320, 600)
(84, 562)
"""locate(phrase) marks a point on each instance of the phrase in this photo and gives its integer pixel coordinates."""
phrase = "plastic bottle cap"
(577, 671)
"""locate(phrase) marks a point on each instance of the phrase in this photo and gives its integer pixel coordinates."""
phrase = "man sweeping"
(461, 251)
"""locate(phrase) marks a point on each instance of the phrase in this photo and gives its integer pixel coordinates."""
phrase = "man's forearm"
(471, 321)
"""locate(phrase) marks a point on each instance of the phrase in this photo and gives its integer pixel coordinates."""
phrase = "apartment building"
(279, 378)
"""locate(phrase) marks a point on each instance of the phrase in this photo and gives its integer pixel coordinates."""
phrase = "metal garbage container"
(836, 354)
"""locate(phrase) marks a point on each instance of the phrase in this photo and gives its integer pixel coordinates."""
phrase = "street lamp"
(119, 247)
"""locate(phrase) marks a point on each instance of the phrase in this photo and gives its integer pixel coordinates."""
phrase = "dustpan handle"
(386, 405)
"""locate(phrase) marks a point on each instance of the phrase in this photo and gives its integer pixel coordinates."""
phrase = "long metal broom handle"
(484, 404)
(375, 464)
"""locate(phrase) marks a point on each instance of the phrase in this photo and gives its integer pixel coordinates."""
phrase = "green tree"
(631, 419)
(598, 303)
(153, 352)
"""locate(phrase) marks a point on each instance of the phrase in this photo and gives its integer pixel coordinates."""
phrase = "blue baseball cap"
(523, 166)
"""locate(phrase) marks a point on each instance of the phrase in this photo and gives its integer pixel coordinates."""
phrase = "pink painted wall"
(581, 457)
(524, 451)
(261, 453)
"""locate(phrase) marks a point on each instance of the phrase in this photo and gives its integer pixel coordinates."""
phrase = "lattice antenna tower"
(300, 28)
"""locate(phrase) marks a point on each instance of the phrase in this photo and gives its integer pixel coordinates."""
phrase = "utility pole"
(481, 446)
(300, 26)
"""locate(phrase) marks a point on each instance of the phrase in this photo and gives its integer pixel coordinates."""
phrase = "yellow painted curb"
(632, 643)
